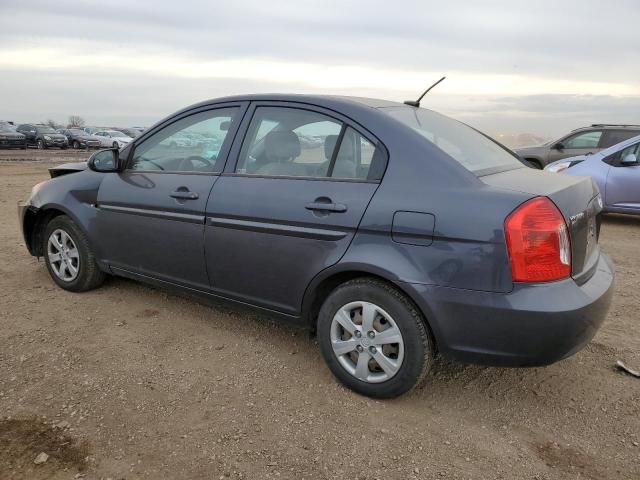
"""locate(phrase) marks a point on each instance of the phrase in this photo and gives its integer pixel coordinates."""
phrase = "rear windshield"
(473, 150)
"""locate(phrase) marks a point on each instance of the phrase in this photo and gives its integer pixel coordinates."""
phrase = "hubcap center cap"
(366, 342)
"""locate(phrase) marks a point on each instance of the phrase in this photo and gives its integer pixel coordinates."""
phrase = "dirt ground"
(128, 382)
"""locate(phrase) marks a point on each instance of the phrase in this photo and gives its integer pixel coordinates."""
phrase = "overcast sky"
(512, 66)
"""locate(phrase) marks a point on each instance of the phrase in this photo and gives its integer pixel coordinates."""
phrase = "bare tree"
(76, 121)
(53, 124)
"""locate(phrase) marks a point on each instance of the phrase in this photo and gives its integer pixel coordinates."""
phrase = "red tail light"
(538, 242)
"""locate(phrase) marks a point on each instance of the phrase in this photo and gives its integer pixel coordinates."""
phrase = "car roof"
(320, 100)
(609, 126)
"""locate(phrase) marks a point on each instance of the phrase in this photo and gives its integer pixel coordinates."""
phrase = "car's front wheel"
(68, 257)
(40, 144)
(374, 339)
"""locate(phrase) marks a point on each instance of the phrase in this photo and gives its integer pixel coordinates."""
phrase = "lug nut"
(372, 349)
(358, 334)
(359, 348)
(371, 334)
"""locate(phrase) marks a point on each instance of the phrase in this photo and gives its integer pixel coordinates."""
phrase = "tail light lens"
(538, 242)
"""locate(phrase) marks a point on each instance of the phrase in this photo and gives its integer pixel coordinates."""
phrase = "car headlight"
(561, 166)
(47, 137)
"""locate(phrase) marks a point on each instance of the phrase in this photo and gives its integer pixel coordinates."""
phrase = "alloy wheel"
(367, 342)
(63, 255)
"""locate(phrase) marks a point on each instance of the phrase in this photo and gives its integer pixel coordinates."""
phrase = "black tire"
(75, 145)
(418, 343)
(89, 275)
(40, 144)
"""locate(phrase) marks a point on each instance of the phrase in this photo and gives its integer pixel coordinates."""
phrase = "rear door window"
(295, 142)
(290, 142)
(613, 137)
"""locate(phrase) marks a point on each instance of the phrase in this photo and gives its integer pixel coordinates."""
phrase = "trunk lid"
(579, 202)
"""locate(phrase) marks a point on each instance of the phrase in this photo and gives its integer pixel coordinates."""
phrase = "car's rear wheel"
(373, 338)
(68, 257)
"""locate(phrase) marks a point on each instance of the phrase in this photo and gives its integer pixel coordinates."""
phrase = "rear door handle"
(185, 195)
(326, 207)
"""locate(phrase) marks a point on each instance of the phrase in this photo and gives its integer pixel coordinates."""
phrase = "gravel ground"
(128, 382)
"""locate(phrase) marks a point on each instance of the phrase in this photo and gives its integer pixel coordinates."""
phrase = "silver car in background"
(581, 141)
(616, 171)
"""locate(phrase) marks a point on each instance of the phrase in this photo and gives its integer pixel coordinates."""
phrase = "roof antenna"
(417, 102)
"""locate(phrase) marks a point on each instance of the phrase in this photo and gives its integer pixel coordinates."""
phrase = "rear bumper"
(535, 324)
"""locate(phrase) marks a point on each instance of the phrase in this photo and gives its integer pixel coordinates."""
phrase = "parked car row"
(44, 136)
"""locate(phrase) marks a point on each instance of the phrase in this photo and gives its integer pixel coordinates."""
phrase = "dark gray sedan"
(395, 234)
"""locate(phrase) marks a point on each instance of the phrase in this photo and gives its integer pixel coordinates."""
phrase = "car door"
(623, 182)
(581, 143)
(289, 202)
(150, 217)
(30, 132)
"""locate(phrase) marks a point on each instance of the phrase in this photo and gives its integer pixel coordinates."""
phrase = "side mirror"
(629, 160)
(105, 161)
(558, 146)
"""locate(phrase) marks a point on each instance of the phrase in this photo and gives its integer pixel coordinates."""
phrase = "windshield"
(4, 127)
(115, 133)
(75, 131)
(46, 130)
(474, 151)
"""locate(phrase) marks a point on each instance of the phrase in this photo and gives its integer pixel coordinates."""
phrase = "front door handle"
(326, 207)
(184, 195)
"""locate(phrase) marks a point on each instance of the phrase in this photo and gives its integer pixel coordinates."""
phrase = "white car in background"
(112, 138)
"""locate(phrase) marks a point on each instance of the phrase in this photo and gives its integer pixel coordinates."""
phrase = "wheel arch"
(35, 222)
(326, 281)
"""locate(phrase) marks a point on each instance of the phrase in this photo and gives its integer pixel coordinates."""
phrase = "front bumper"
(13, 143)
(534, 324)
(26, 213)
(56, 143)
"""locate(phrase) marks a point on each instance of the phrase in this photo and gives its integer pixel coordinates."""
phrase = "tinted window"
(191, 144)
(613, 137)
(288, 142)
(470, 148)
(583, 140)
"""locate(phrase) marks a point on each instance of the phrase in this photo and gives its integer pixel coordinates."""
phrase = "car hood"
(577, 158)
(67, 168)
(11, 135)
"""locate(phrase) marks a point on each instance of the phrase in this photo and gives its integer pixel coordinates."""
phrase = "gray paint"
(252, 239)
